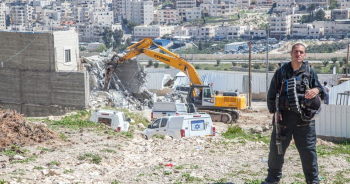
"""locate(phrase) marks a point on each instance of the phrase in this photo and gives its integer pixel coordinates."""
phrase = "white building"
(167, 15)
(220, 9)
(42, 3)
(183, 5)
(280, 26)
(139, 11)
(308, 3)
(206, 32)
(337, 29)
(344, 4)
(193, 14)
(102, 17)
(296, 18)
(66, 50)
(2, 16)
(155, 31)
(340, 14)
(21, 17)
(180, 31)
(230, 31)
(255, 34)
(306, 31)
(268, 3)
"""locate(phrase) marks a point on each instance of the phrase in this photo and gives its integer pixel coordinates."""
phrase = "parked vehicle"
(114, 119)
(182, 89)
(161, 109)
(181, 126)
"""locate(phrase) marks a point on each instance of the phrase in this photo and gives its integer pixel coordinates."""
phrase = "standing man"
(297, 85)
(326, 91)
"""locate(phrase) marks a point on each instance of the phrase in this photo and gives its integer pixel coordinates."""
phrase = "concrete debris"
(173, 97)
(126, 87)
(14, 130)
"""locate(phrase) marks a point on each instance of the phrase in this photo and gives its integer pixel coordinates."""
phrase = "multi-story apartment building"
(340, 14)
(168, 16)
(219, 8)
(306, 31)
(180, 31)
(2, 16)
(21, 16)
(139, 11)
(155, 31)
(230, 32)
(254, 34)
(266, 3)
(206, 32)
(280, 26)
(102, 17)
(296, 18)
(183, 5)
(193, 14)
(344, 4)
(336, 29)
(308, 3)
(42, 3)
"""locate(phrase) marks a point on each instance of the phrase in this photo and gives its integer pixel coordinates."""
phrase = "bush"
(156, 65)
(256, 66)
(325, 63)
(197, 67)
(271, 67)
(101, 48)
(150, 62)
(218, 62)
(206, 68)
(334, 60)
(167, 66)
(234, 63)
(245, 65)
(341, 63)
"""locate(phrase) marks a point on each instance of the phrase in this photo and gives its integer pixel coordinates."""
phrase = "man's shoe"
(266, 182)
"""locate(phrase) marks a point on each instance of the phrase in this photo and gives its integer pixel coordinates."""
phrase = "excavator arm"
(143, 47)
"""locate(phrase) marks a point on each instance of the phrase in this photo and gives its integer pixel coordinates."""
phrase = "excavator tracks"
(225, 116)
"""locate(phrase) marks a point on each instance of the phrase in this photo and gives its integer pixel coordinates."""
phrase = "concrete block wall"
(29, 82)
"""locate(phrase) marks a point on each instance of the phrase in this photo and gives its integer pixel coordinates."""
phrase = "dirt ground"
(90, 156)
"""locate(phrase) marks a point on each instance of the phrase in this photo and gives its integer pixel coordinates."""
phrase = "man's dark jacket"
(277, 79)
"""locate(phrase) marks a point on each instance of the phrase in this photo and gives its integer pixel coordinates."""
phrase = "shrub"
(218, 62)
(167, 66)
(150, 62)
(325, 63)
(197, 67)
(156, 65)
(245, 65)
(271, 67)
(234, 63)
(334, 60)
(256, 66)
(341, 63)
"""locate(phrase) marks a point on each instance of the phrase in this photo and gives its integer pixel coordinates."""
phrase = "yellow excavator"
(221, 108)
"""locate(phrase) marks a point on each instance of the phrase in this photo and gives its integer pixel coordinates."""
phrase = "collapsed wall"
(126, 88)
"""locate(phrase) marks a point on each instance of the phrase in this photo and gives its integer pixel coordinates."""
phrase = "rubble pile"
(174, 96)
(126, 88)
(15, 130)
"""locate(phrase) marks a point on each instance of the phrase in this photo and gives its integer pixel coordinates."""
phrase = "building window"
(67, 56)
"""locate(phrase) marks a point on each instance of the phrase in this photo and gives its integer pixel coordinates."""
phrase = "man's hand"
(276, 117)
(311, 93)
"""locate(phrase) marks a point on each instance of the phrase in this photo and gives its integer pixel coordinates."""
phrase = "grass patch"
(253, 181)
(194, 167)
(3, 182)
(93, 158)
(167, 172)
(38, 168)
(109, 151)
(29, 159)
(76, 121)
(63, 137)
(13, 150)
(52, 163)
(236, 132)
(68, 171)
(180, 167)
(157, 136)
(189, 178)
(128, 134)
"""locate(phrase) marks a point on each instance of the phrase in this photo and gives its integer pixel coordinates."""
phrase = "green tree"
(256, 66)
(82, 48)
(101, 48)
(245, 65)
(334, 60)
(128, 42)
(341, 63)
(197, 67)
(344, 59)
(118, 36)
(200, 45)
(156, 65)
(320, 15)
(107, 37)
(312, 7)
(271, 67)
(325, 63)
(150, 62)
(218, 62)
(167, 66)
(131, 25)
(234, 63)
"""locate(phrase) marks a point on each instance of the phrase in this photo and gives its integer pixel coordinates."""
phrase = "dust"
(14, 130)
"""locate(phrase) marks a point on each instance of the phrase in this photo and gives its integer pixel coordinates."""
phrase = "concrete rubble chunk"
(127, 88)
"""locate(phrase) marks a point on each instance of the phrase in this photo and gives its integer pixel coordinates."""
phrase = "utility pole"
(250, 74)
(347, 63)
(267, 59)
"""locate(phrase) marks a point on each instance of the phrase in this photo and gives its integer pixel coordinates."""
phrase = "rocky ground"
(95, 155)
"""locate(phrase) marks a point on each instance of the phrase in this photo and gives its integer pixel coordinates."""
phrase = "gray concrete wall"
(29, 83)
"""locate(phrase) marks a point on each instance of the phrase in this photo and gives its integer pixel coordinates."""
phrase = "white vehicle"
(181, 126)
(161, 109)
(114, 119)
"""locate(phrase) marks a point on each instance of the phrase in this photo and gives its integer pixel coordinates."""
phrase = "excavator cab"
(201, 96)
